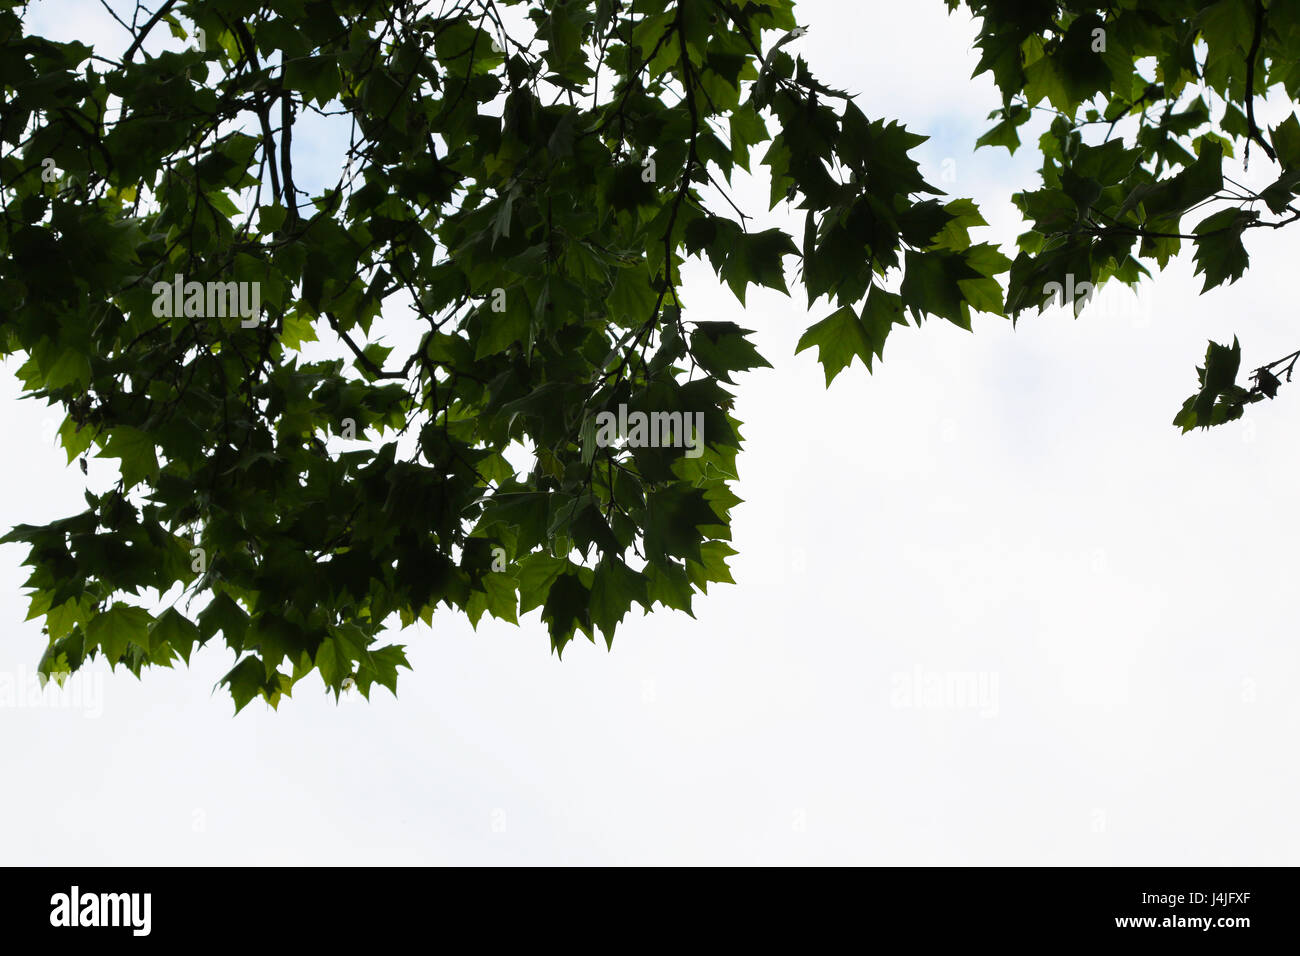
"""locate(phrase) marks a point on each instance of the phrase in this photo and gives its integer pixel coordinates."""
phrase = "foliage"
(524, 182)
(1178, 79)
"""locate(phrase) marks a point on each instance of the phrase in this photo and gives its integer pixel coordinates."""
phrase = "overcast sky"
(1008, 511)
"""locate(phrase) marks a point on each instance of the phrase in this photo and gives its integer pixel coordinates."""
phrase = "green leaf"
(757, 257)
(121, 624)
(631, 302)
(838, 337)
(298, 329)
(71, 368)
(721, 348)
(247, 680)
(225, 615)
(136, 451)
(932, 285)
(498, 598)
(1220, 254)
(380, 667)
(271, 217)
(316, 76)
(176, 631)
(537, 572)
(1220, 399)
(566, 610)
(1286, 142)
(675, 515)
(614, 589)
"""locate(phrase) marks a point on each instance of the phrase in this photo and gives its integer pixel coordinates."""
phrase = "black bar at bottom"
(1171, 907)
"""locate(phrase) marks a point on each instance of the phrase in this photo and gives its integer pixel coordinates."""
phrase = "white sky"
(1009, 504)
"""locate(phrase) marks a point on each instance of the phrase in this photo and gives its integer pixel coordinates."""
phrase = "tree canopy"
(524, 181)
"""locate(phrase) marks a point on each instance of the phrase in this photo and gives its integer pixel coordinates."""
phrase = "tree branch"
(1250, 86)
